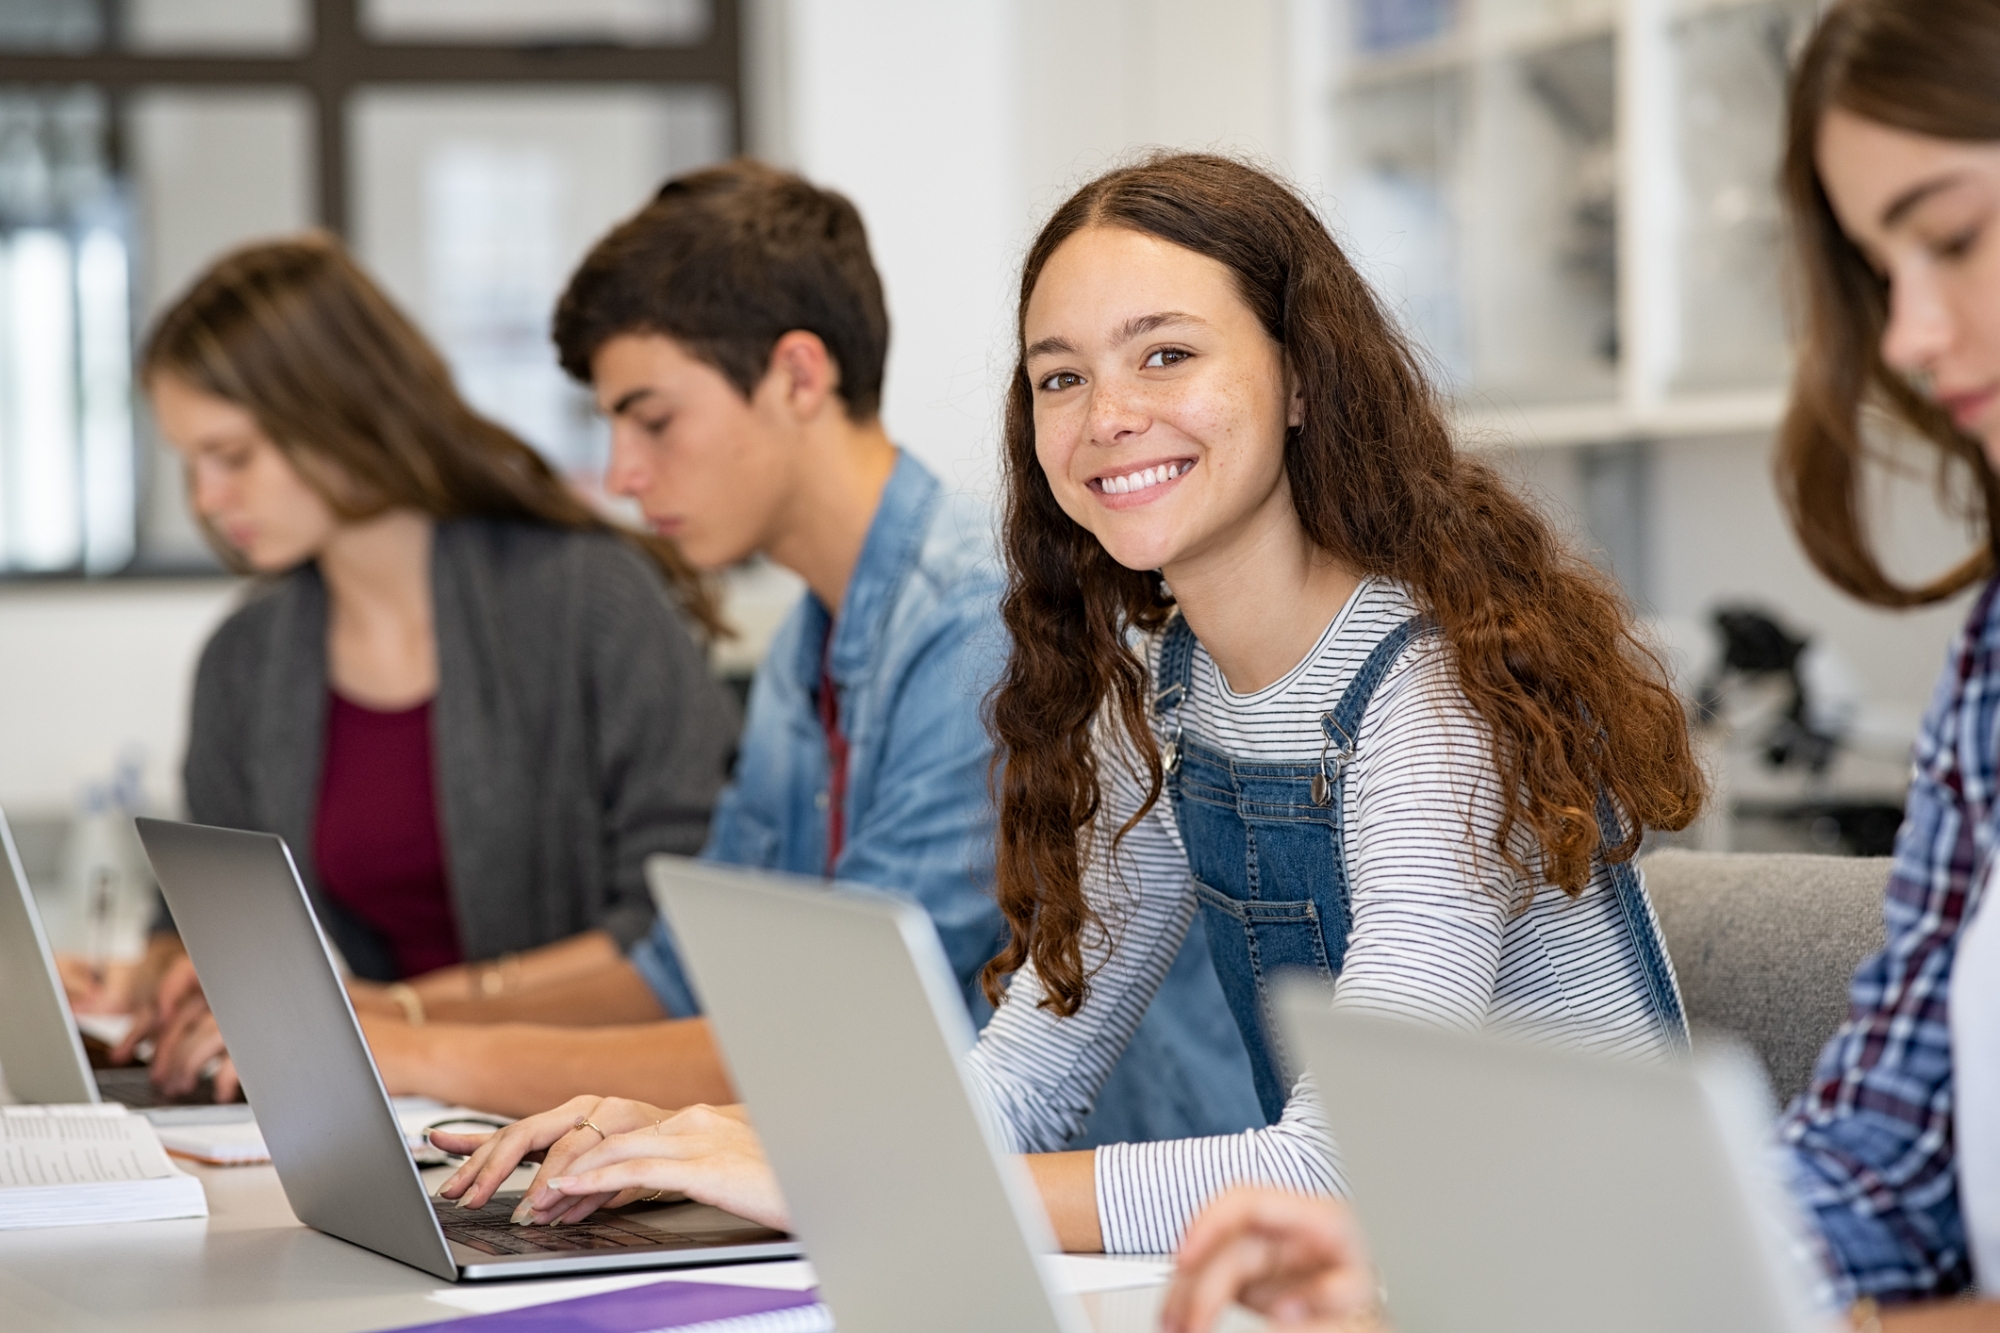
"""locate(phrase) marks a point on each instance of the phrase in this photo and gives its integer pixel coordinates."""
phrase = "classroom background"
(1569, 202)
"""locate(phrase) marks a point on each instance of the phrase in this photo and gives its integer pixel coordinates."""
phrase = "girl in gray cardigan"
(470, 706)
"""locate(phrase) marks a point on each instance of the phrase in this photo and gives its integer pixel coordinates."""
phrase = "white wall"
(89, 674)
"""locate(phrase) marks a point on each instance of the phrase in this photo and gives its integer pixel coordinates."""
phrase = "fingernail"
(560, 1183)
(523, 1214)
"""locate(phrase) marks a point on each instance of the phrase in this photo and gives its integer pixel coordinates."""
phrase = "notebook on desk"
(270, 979)
(44, 1056)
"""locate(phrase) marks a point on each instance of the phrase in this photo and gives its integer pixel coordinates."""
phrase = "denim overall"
(1266, 849)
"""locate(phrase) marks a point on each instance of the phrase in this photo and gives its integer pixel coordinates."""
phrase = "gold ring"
(654, 1197)
(584, 1123)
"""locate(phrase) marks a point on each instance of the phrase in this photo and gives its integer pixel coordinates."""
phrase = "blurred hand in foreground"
(1297, 1260)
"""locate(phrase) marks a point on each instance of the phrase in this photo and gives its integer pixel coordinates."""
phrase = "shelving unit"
(1573, 202)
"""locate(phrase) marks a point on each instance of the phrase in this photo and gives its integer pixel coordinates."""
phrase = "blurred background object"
(1568, 202)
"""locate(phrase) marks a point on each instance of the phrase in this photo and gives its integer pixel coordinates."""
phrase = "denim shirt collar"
(895, 539)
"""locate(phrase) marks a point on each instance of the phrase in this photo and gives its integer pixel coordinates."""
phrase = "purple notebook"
(649, 1309)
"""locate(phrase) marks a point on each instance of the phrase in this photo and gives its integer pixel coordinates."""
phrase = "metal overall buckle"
(1331, 761)
(1170, 754)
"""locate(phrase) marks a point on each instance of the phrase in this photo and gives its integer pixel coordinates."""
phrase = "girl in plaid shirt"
(1892, 183)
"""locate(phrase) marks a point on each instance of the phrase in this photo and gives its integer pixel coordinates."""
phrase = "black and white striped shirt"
(1439, 932)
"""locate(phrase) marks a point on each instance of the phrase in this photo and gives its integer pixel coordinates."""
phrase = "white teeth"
(1139, 481)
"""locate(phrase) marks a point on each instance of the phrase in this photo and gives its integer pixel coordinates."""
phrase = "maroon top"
(836, 757)
(375, 836)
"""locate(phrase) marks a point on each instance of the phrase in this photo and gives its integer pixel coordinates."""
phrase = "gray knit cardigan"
(576, 730)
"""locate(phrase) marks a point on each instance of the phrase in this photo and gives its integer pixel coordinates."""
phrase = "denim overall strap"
(1264, 844)
(1643, 929)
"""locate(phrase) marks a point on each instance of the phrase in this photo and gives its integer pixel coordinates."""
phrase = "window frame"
(339, 60)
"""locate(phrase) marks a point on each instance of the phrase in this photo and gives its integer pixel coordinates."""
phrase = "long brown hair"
(341, 381)
(1928, 67)
(1542, 643)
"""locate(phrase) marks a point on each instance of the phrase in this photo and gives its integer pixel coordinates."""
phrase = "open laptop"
(270, 979)
(1510, 1187)
(42, 1054)
(844, 1031)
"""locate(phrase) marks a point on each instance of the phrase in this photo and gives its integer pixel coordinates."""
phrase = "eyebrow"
(1135, 327)
(1903, 203)
(629, 400)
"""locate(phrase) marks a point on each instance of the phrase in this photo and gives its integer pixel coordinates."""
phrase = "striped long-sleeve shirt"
(1442, 931)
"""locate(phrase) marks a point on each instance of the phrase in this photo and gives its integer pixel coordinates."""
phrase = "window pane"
(211, 169)
(634, 21)
(50, 25)
(66, 463)
(260, 26)
(473, 206)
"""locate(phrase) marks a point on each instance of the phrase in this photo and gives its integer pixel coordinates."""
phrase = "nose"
(1117, 413)
(208, 492)
(1920, 328)
(626, 473)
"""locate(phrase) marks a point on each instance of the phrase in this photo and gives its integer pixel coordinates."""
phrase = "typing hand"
(109, 989)
(1299, 1261)
(187, 1044)
(186, 1041)
(171, 985)
(709, 1153)
(559, 1137)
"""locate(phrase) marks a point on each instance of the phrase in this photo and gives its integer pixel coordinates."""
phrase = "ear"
(802, 375)
(1295, 410)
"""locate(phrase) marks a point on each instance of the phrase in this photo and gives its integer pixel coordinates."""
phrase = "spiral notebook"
(685, 1307)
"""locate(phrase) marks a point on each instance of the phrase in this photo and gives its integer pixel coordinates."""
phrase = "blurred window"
(470, 150)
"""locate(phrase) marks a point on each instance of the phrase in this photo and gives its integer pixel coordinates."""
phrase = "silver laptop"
(844, 1031)
(42, 1054)
(1512, 1187)
(269, 977)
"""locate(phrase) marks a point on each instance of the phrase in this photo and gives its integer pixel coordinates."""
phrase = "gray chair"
(1764, 946)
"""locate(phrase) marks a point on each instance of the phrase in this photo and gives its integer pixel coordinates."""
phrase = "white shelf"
(1574, 206)
(1469, 43)
(1692, 416)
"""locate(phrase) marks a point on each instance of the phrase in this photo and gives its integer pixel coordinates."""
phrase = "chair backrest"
(1764, 946)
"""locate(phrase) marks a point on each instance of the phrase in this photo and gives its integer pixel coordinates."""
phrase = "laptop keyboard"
(489, 1231)
(133, 1086)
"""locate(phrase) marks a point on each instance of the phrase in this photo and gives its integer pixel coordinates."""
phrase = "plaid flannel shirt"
(1869, 1143)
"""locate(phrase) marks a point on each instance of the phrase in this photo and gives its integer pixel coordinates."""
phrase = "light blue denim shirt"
(917, 648)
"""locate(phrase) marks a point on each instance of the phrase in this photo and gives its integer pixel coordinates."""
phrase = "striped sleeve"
(1147, 1193)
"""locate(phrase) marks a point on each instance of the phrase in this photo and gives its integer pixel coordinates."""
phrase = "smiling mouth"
(1144, 479)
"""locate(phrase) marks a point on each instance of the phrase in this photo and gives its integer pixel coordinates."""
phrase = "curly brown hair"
(1925, 66)
(297, 334)
(1543, 644)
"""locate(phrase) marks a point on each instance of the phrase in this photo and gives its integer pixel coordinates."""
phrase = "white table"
(252, 1266)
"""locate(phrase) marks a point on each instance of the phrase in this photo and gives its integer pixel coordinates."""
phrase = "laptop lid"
(268, 973)
(269, 977)
(41, 1052)
(843, 1028)
(1511, 1187)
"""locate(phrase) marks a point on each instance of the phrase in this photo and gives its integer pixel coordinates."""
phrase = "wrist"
(490, 980)
(406, 998)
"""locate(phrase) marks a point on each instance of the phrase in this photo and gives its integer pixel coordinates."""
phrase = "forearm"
(519, 1069)
(552, 964)
(1067, 1182)
(613, 993)
(1944, 1317)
